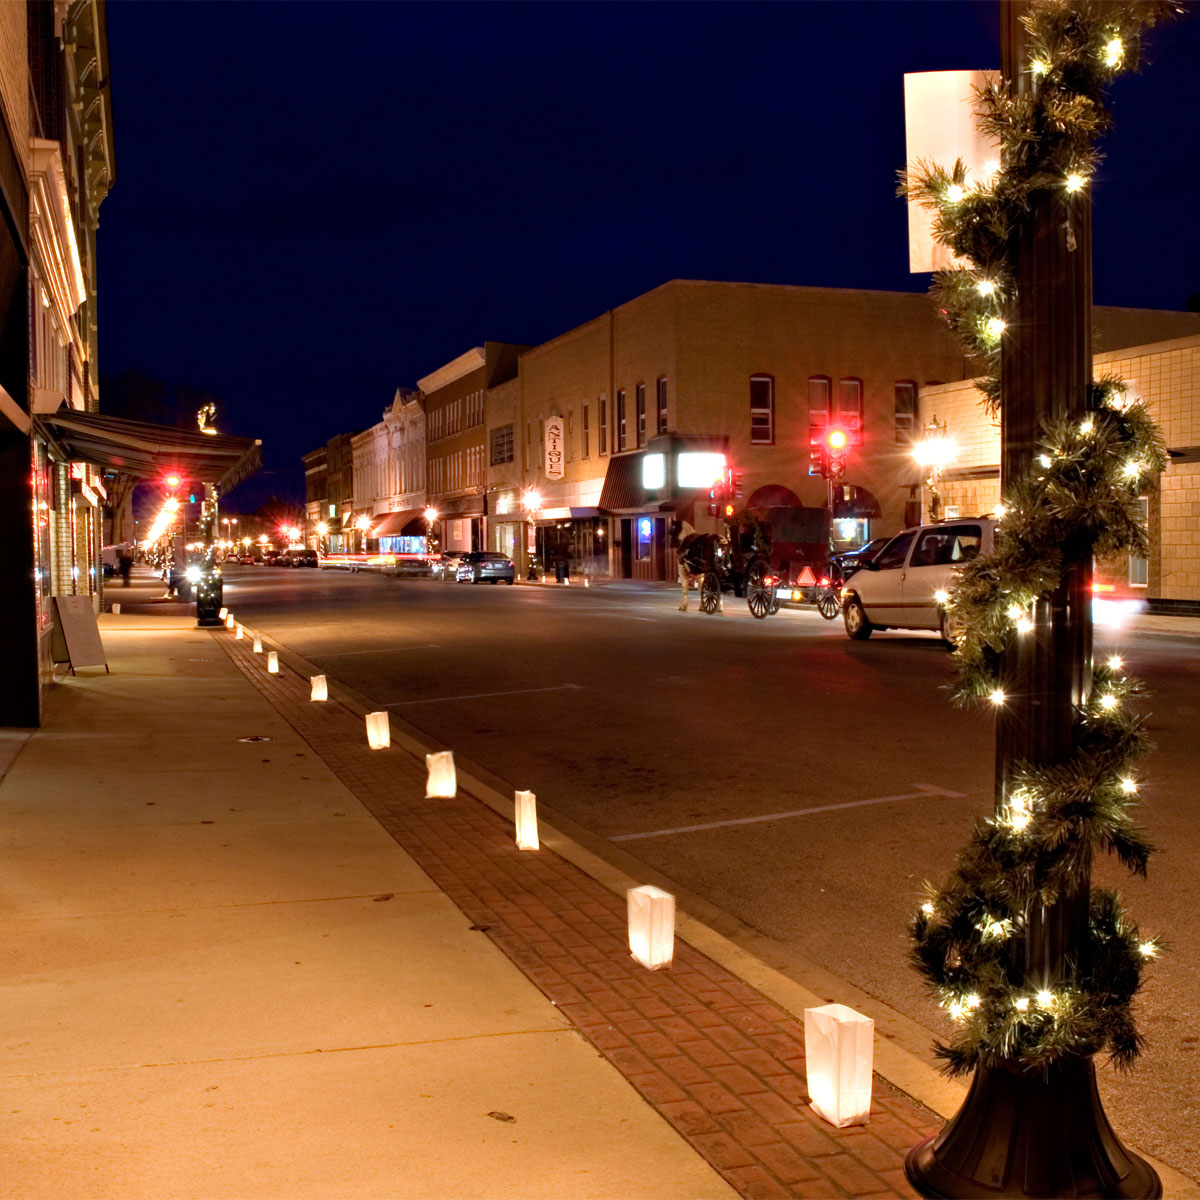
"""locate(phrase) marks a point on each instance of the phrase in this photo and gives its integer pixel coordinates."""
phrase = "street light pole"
(1042, 1133)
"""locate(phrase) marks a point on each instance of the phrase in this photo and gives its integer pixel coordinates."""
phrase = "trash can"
(560, 571)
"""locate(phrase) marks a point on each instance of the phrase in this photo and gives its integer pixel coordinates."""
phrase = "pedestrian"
(124, 561)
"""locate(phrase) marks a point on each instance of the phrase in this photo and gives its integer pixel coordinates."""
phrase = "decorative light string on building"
(1080, 498)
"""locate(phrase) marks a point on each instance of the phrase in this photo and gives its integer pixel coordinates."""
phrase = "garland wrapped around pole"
(1035, 970)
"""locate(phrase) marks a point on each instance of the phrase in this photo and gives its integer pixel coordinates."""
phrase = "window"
(645, 535)
(603, 426)
(762, 410)
(947, 545)
(906, 411)
(892, 555)
(640, 394)
(820, 391)
(1139, 568)
(585, 447)
(661, 399)
(619, 417)
(502, 444)
(850, 408)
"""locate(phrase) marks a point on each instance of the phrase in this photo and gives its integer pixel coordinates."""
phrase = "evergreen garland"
(1079, 500)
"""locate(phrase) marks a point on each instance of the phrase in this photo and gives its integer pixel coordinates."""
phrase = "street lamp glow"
(431, 514)
(322, 528)
(935, 451)
(532, 500)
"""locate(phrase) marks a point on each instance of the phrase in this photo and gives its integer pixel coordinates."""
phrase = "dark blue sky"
(318, 202)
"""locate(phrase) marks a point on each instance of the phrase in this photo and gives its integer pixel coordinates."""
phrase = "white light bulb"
(1019, 820)
(1039, 66)
(997, 696)
(1114, 51)
(1086, 425)
(1021, 1003)
(1024, 625)
(986, 287)
(1044, 459)
(994, 327)
(1131, 469)
(1014, 612)
(941, 596)
(1129, 786)
(1108, 701)
(1001, 512)
(954, 193)
(1075, 182)
(1115, 662)
(927, 909)
(973, 1001)
(1148, 949)
(1045, 998)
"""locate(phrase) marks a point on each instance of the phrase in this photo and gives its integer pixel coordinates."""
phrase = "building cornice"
(464, 364)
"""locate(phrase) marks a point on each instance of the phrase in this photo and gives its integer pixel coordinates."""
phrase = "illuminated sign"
(697, 469)
(654, 472)
(555, 439)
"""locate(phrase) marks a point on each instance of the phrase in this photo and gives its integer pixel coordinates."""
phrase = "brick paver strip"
(721, 1063)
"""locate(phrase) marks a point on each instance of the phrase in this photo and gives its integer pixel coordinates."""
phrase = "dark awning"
(851, 501)
(397, 524)
(147, 451)
(623, 491)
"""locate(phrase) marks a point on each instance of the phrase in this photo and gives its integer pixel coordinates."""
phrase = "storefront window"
(645, 536)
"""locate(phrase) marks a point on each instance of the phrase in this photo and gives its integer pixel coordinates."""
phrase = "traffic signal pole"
(1022, 1133)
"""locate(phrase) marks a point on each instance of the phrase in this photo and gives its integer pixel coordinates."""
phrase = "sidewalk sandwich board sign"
(80, 633)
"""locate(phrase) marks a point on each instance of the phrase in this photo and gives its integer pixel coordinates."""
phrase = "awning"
(623, 491)
(396, 524)
(147, 451)
(460, 507)
(850, 501)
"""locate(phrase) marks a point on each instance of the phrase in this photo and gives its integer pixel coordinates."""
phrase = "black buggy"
(762, 550)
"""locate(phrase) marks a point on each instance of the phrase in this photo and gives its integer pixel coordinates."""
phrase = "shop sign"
(555, 427)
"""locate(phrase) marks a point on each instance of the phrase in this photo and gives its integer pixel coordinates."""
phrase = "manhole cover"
(254, 737)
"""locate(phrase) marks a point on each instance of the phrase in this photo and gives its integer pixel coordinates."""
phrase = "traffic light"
(837, 440)
(818, 453)
(172, 480)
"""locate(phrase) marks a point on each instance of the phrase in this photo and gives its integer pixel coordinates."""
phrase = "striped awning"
(147, 451)
(397, 523)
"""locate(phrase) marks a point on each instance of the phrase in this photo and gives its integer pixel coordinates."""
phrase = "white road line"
(485, 695)
(384, 650)
(926, 791)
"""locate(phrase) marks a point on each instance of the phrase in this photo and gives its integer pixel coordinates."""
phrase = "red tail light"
(823, 582)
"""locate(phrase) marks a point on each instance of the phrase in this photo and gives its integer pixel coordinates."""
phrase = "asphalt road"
(802, 782)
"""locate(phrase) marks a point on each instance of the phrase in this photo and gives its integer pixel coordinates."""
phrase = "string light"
(1147, 949)
(1114, 52)
(1024, 625)
(997, 697)
(1045, 999)
(1115, 662)
(1039, 66)
(1129, 786)
(955, 193)
(1108, 701)
(1021, 1003)
(986, 287)
(941, 596)
(927, 909)
(1086, 425)
(1132, 469)
(994, 327)
(1044, 459)
(1075, 182)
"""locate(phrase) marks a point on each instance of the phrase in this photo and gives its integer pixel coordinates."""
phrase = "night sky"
(315, 203)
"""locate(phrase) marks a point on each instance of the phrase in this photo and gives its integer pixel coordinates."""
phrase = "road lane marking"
(562, 687)
(386, 650)
(926, 791)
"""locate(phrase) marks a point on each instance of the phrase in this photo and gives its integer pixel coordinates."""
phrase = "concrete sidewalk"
(272, 968)
(223, 978)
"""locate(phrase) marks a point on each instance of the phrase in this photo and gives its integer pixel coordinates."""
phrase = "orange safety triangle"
(807, 578)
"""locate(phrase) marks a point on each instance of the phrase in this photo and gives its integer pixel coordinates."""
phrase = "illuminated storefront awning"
(411, 522)
(148, 451)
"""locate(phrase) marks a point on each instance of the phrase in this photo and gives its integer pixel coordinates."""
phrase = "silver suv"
(905, 585)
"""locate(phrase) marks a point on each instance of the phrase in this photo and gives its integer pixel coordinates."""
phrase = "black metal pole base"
(1030, 1135)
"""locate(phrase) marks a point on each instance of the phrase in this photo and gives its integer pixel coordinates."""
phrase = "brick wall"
(14, 77)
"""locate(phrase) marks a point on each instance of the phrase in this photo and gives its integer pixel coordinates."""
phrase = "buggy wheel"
(775, 605)
(710, 593)
(760, 595)
(828, 604)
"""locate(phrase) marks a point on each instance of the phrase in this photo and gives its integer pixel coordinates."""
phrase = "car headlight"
(192, 574)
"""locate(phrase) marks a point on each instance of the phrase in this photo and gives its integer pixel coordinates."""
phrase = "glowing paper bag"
(839, 1046)
(379, 731)
(526, 821)
(651, 926)
(273, 662)
(320, 688)
(443, 780)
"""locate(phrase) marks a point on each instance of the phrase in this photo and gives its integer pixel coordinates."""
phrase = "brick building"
(1166, 375)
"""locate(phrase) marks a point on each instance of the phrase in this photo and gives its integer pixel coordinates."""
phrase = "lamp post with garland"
(1036, 969)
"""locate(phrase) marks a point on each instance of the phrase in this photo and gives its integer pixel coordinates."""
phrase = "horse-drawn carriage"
(763, 550)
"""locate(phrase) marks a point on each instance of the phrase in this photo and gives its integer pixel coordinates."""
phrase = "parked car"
(272, 557)
(480, 566)
(249, 559)
(899, 587)
(300, 557)
(445, 566)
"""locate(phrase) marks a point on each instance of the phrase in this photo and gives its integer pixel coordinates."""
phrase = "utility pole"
(1040, 1133)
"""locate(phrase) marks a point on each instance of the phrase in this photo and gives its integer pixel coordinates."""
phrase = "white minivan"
(899, 588)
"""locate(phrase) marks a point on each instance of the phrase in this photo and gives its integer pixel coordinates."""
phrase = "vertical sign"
(555, 427)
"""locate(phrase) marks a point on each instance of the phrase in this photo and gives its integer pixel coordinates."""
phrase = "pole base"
(1026, 1135)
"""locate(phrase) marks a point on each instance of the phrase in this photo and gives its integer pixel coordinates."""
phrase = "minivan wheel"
(857, 625)
(952, 630)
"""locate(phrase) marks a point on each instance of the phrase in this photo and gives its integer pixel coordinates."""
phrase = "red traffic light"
(837, 439)
(173, 479)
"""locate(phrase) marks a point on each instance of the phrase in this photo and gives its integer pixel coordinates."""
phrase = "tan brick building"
(747, 371)
(1166, 375)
